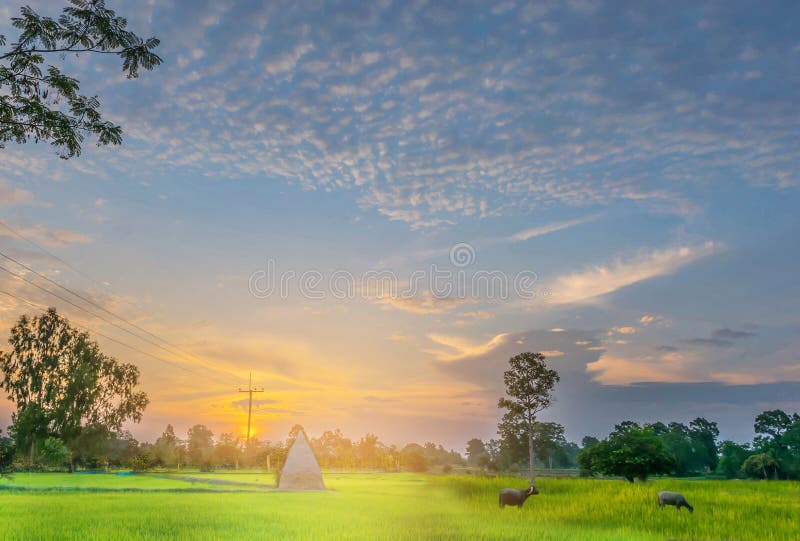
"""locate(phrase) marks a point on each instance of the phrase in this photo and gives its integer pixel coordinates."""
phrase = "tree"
(706, 432)
(689, 453)
(529, 384)
(55, 453)
(59, 381)
(412, 458)
(96, 446)
(475, 449)
(44, 104)
(227, 452)
(7, 452)
(733, 456)
(200, 446)
(630, 451)
(761, 466)
(779, 438)
(167, 448)
(589, 441)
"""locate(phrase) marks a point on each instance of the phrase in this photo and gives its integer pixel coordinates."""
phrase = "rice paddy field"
(387, 506)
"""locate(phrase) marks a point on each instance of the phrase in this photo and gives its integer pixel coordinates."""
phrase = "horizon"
(372, 208)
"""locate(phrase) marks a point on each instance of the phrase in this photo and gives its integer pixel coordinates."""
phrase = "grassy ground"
(390, 506)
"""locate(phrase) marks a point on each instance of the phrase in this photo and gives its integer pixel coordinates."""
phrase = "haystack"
(301, 469)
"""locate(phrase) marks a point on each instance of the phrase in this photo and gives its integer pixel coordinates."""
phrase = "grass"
(388, 506)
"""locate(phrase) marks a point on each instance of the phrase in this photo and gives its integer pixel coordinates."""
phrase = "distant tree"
(200, 447)
(630, 451)
(761, 466)
(168, 448)
(44, 104)
(773, 424)
(706, 433)
(59, 380)
(475, 449)
(96, 447)
(732, 459)
(55, 453)
(7, 452)
(146, 458)
(412, 458)
(589, 441)
(227, 452)
(437, 455)
(689, 453)
(333, 450)
(566, 455)
(529, 385)
(778, 436)
(368, 451)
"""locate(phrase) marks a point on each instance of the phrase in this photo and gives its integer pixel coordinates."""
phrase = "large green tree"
(630, 451)
(60, 381)
(529, 389)
(38, 101)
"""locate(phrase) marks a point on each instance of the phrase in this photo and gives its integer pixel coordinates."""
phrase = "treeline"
(635, 451)
(97, 447)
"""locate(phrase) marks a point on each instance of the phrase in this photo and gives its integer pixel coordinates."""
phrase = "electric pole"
(250, 390)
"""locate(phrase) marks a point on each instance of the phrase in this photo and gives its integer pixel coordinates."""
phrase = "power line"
(49, 253)
(89, 329)
(56, 295)
(176, 350)
(93, 303)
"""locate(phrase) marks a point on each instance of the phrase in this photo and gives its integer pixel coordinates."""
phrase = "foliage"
(227, 452)
(7, 452)
(59, 381)
(98, 447)
(778, 441)
(200, 447)
(412, 458)
(529, 387)
(55, 453)
(732, 458)
(168, 450)
(475, 450)
(43, 104)
(761, 466)
(630, 451)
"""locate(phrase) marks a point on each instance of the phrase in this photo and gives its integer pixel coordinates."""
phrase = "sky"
(373, 206)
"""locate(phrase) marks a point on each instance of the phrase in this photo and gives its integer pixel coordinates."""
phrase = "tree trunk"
(530, 455)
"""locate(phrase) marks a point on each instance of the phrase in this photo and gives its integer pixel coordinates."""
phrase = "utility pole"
(250, 390)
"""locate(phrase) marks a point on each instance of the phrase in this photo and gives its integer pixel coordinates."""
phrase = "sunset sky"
(636, 164)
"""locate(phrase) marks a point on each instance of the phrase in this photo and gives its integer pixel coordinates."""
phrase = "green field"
(387, 506)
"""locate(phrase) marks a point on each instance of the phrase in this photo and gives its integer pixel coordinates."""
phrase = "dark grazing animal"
(512, 496)
(673, 498)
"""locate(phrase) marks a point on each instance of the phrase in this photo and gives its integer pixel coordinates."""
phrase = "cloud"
(10, 195)
(593, 282)
(478, 314)
(300, 95)
(671, 366)
(720, 338)
(46, 236)
(423, 304)
(626, 330)
(547, 229)
(460, 348)
(731, 334)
